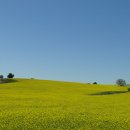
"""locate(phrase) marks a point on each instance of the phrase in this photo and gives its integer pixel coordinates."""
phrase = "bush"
(129, 89)
(10, 76)
(9, 80)
(121, 82)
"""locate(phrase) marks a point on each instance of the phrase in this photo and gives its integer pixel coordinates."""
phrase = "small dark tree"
(95, 83)
(121, 82)
(1, 76)
(10, 76)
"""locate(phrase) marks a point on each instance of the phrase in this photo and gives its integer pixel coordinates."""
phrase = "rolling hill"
(52, 105)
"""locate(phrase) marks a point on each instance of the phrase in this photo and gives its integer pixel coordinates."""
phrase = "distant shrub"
(129, 89)
(10, 76)
(95, 83)
(121, 82)
(8, 80)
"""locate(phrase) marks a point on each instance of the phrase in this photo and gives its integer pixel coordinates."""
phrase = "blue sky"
(69, 40)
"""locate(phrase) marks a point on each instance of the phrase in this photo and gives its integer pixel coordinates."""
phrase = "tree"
(121, 82)
(95, 83)
(1, 76)
(10, 75)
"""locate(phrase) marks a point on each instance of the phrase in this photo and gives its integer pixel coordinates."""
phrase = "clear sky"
(69, 40)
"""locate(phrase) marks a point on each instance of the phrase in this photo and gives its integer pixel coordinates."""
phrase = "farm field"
(51, 105)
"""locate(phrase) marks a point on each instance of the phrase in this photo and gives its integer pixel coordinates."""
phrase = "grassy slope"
(50, 105)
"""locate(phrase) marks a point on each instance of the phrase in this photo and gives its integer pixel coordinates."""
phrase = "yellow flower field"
(51, 105)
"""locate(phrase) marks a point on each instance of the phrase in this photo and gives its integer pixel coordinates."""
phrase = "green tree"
(121, 82)
(10, 76)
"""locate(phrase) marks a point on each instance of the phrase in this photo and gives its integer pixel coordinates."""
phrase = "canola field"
(52, 105)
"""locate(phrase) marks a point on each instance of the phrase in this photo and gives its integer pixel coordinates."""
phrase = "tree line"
(10, 76)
